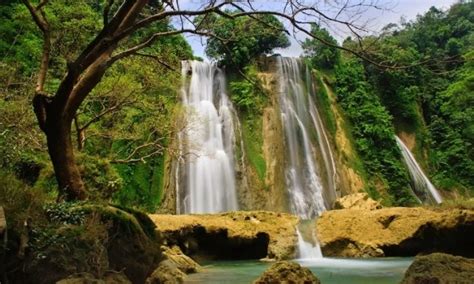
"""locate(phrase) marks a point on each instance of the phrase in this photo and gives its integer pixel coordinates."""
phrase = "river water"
(328, 270)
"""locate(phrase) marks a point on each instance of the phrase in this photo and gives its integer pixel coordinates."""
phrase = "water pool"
(328, 270)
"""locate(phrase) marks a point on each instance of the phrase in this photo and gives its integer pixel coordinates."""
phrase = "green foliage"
(253, 144)
(452, 130)
(324, 104)
(143, 184)
(320, 54)
(372, 130)
(250, 99)
(247, 95)
(430, 100)
(62, 213)
(20, 201)
(245, 38)
(137, 94)
(20, 45)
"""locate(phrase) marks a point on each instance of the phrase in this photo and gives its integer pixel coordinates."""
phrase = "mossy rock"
(439, 268)
(106, 238)
(166, 273)
(287, 272)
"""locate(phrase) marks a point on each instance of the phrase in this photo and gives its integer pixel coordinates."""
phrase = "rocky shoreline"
(397, 231)
(368, 232)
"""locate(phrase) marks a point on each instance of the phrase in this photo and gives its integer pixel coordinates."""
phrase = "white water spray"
(422, 186)
(207, 142)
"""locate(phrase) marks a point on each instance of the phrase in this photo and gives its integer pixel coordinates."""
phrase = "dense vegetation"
(431, 100)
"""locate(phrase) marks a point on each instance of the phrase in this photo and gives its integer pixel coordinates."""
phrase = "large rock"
(234, 235)
(439, 268)
(357, 201)
(287, 272)
(109, 238)
(166, 273)
(182, 261)
(396, 232)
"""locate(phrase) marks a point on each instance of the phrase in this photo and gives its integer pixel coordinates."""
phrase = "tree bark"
(61, 152)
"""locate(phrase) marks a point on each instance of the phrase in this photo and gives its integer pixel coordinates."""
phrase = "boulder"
(166, 273)
(109, 238)
(439, 268)
(287, 272)
(357, 201)
(233, 235)
(182, 261)
(396, 232)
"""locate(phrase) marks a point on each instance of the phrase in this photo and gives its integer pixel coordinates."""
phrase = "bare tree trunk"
(61, 151)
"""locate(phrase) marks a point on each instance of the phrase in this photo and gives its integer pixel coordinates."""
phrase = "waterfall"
(302, 125)
(307, 250)
(206, 143)
(422, 186)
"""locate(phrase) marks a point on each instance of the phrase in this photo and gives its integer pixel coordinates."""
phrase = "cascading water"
(422, 186)
(206, 142)
(301, 122)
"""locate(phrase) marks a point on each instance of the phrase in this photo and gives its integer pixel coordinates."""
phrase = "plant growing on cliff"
(372, 129)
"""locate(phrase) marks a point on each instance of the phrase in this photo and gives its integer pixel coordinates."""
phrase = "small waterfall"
(422, 186)
(309, 248)
(206, 142)
(302, 125)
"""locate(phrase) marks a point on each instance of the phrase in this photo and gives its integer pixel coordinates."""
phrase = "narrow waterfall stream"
(309, 194)
(422, 186)
(206, 142)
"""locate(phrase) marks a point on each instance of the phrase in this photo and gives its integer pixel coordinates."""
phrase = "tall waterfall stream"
(206, 142)
(422, 186)
(309, 195)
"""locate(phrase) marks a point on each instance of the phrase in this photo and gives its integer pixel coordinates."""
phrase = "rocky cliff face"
(270, 192)
(349, 179)
(397, 231)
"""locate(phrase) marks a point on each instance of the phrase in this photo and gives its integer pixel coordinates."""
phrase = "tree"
(128, 28)
(246, 38)
(321, 55)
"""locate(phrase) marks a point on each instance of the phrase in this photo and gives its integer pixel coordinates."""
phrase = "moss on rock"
(357, 201)
(88, 239)
(287, 272)
(440, 268)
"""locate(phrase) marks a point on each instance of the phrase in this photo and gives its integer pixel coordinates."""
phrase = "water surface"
(328, 270)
